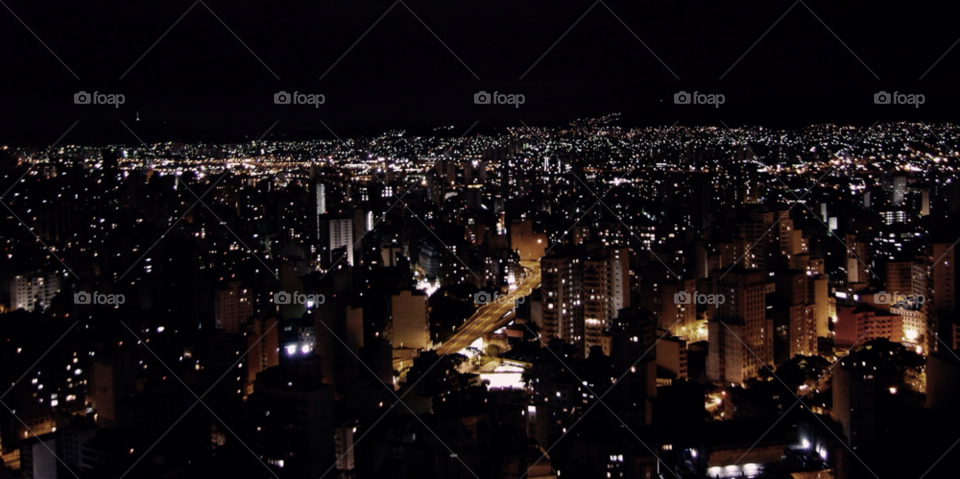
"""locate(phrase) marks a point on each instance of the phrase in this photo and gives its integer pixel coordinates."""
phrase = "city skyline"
(584, 240)
(504, 240)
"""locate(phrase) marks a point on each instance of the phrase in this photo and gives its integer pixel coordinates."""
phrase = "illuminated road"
(490, 317)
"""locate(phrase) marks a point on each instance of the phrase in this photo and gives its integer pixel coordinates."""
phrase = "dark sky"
(200, 82)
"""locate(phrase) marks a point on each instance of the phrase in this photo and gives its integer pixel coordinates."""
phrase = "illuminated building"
(797, 314)
(337, 240)
(740, 336)
(232, 306)
(581, 292)
(658, 295)
(905, 277)
(671, 356)
(30, 291)
(345, 431)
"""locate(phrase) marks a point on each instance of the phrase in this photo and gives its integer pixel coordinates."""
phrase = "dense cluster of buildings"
(683, 302)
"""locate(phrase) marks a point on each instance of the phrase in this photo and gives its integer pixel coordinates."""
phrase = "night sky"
(420, 64)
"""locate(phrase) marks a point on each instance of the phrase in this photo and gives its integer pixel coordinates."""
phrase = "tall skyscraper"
(262, 347)
(741, 336)
(899, 190)
(796, 315)
(905, 277)
(344, 440)
(232, 306)
(337, 322)
(858, 257)
(658, 295)
(34, 290)
(318, 208)
(336, 239)
(320, 193)
(292, 414)
(768, 234)
(630, 344)
(37, 460)
(944, 277)
(582, 291)
(854, 396)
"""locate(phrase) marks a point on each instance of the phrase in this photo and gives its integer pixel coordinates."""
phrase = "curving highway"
(490, 316)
